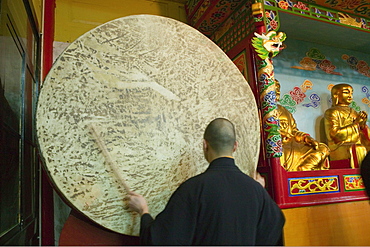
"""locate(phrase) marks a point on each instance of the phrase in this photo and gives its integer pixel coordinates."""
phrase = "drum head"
(150, 85)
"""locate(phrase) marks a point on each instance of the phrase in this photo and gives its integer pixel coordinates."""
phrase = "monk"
(301, 152)
(222, 206)
(346, 129)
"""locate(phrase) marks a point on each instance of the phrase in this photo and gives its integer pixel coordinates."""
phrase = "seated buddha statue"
(301, 152)
(345, 129)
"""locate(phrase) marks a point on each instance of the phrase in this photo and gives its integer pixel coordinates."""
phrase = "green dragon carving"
(268, 46)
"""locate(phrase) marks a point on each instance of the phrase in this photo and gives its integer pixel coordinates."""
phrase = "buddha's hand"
(361, 119)
(312, 142)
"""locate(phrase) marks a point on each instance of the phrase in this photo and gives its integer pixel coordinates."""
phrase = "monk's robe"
(222, 206)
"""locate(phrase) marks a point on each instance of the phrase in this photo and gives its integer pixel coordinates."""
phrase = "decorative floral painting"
(358, 65)
(314, 60)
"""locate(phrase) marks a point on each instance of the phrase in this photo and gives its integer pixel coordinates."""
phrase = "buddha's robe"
(346, 139)
(298, 155)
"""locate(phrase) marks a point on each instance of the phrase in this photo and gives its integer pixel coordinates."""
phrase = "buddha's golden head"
(341, 94)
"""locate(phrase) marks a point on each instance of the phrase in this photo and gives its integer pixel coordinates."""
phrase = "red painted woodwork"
(47, 202)
(280, 184)
(48, 37)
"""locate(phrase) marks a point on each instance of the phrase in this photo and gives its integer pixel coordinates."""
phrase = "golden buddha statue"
(346, 129)
(301, 152)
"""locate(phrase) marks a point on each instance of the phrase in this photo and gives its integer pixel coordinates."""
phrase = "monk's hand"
(137, 203)
(259, 179)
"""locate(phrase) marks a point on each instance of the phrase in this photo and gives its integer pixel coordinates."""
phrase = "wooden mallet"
(108, 158)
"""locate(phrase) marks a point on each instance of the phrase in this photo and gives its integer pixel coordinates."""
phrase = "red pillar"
(48, 36)
(47, 202)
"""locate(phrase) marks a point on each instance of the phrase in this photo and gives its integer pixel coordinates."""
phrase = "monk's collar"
(228, 157)
(231, 157)
(226, 160)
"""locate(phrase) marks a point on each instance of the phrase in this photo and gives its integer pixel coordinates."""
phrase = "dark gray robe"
(222, 206)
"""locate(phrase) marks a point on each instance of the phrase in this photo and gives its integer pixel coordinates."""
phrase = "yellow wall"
(341, 224)
(75, 17)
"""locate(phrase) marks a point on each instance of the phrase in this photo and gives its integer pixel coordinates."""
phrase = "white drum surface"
(149, 85)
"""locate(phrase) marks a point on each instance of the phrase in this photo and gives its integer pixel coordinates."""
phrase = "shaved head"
(220, 135)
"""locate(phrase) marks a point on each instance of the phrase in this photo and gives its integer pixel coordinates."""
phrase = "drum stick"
(108, 158)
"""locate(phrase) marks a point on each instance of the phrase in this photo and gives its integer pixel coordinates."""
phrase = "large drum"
(147, 86)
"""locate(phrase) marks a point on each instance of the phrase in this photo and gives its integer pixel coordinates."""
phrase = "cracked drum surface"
(150, 85)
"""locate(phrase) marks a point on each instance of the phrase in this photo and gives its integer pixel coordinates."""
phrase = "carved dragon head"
(269, 45)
